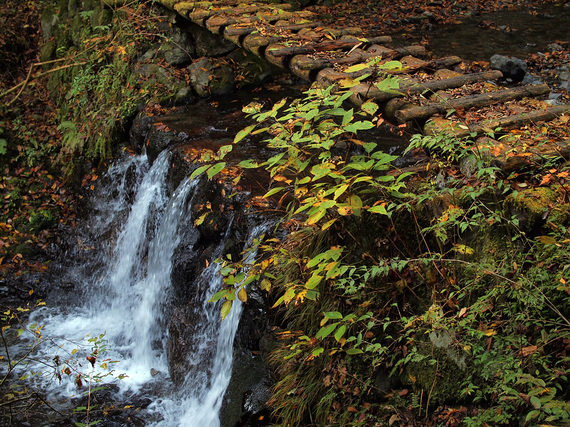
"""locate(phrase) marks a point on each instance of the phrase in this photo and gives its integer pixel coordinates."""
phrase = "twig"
(37, 76)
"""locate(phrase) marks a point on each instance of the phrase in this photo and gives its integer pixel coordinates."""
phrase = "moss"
(41, 220)
(439, 371)
(530, 206)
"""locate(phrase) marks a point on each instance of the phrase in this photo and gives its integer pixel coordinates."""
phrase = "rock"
(179, 50)
(251, 69)
(208, 44)
(512, 68)
(554, 47)
(211, 76)
(531, 79)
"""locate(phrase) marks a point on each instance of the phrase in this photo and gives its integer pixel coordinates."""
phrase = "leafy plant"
(434, 280)
(21, 383)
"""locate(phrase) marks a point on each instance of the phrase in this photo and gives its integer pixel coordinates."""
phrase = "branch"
(23, 84)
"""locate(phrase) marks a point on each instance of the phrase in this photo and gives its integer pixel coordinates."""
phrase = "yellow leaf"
(242, 295)
(301, 295)
(344, 210)
(490, 332)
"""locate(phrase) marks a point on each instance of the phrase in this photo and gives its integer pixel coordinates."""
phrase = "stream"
(514, 33)
(136, 277)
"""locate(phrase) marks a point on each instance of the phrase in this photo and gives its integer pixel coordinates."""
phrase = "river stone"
(512, 68)
(178, 51)
(211, 76)
(208, 44)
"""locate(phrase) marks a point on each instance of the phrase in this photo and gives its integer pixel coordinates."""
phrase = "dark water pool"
(514, 33)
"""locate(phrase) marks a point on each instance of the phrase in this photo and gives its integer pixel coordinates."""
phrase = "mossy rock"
(530, 206)
(442, 370)
(41, 220)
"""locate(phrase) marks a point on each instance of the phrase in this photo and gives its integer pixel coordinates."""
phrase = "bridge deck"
(465, 102)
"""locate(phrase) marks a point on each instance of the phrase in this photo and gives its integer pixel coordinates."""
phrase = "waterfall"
(200, 400)
(128, 295)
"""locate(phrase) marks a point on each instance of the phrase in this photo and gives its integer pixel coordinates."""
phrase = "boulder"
(512, 68)
(211, 76)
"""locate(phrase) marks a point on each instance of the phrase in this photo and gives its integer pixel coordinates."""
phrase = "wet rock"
(179, 50)
(251, 69)
(211, 76)
(180, 344)
(208, 44)
(512, 68)
(154, 72)
(554, 47)
(531, 79)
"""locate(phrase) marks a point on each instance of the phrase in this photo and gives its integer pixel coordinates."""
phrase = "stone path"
(297, 42)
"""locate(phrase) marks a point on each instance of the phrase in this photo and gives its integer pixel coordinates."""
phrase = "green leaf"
(314, 281)
(199, 171)
(226, 308)
(354, 351)
(381, 209)
(214, 169)
(219, 295)
(347, 117)
(317, 351)
(243, 133)
(340, 190)
(333, 315)
(327, 224)
(248, 164)
(224, 149)
(535, 401)
(369, 107)
(325, 331)
(314, 218)
(340, 332)
(360, 125)
(272, 192)
(356, 68)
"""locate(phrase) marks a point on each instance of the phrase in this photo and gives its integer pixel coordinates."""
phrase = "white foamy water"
(127, 299)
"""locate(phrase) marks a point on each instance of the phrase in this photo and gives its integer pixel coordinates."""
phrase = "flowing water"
(126, 293)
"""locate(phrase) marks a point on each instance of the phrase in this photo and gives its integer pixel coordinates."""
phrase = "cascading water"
(200, 400)
(128, 296)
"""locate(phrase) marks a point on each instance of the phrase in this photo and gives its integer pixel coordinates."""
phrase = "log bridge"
(462, 102)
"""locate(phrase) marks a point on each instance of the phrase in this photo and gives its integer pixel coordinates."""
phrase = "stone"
(211, 76)
(512, 68)
(208, 44)
(554, 47)
(179, 50)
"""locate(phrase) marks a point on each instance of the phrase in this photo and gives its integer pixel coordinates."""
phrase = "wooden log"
(255, 42)
(438, 124)
(197, 13)
(518, 120)
(425, 111)
(344, 43)
(330, 76)
(431, 86)
(307, 67)
(216, 23)
(538, 155)
(241, 30)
